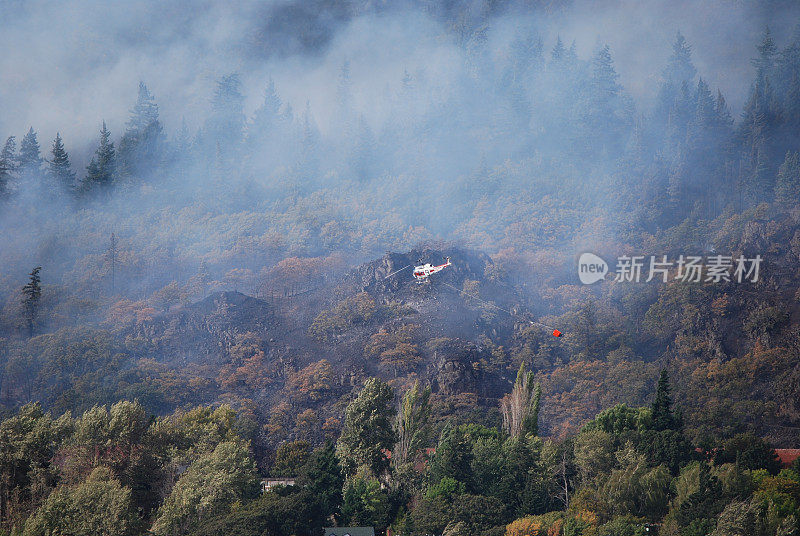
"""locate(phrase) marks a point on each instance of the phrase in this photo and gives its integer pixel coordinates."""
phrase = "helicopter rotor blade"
(397, 271)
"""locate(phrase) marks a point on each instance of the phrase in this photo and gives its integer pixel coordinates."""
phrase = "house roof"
(787, 456)
(349, 531)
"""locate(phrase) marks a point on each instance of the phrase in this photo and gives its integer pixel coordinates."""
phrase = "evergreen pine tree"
(267, 125)
(144, 112)
(608, 112)
(678, 74)
(31, 294)
(226, 125)
(791, 108)
(182, 143)
(757, 135)
(140, 149)
(271, 109)
(559, 51)
(679, 66)
(8, 166)
(765, 62)
(572, 53)
(723, 113)
(787, 187)
(705, 112)
(30, 159)
(60, 169)
(101, 170)
(453, 456)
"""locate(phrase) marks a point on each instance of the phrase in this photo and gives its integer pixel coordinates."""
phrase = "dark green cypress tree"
(322, 476)
(453, 457)
(663, 418)
(60, 169)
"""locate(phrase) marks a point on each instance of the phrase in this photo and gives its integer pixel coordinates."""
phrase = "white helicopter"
(422, 272)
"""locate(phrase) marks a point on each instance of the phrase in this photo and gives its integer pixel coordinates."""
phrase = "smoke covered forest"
(203, 207)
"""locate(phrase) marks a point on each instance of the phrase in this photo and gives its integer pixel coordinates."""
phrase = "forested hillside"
(202, 304)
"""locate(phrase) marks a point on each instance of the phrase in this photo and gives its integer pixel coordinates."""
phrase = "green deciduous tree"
(750, 452)
(364, 503)
(208, 488)
(99, 505)
(621, 419)
(290, 514)
(290, 458)
(636, 489)
(367, 433)
(28, 442)
(594, 455)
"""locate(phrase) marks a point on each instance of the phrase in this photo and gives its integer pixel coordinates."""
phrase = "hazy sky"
(66, 65)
